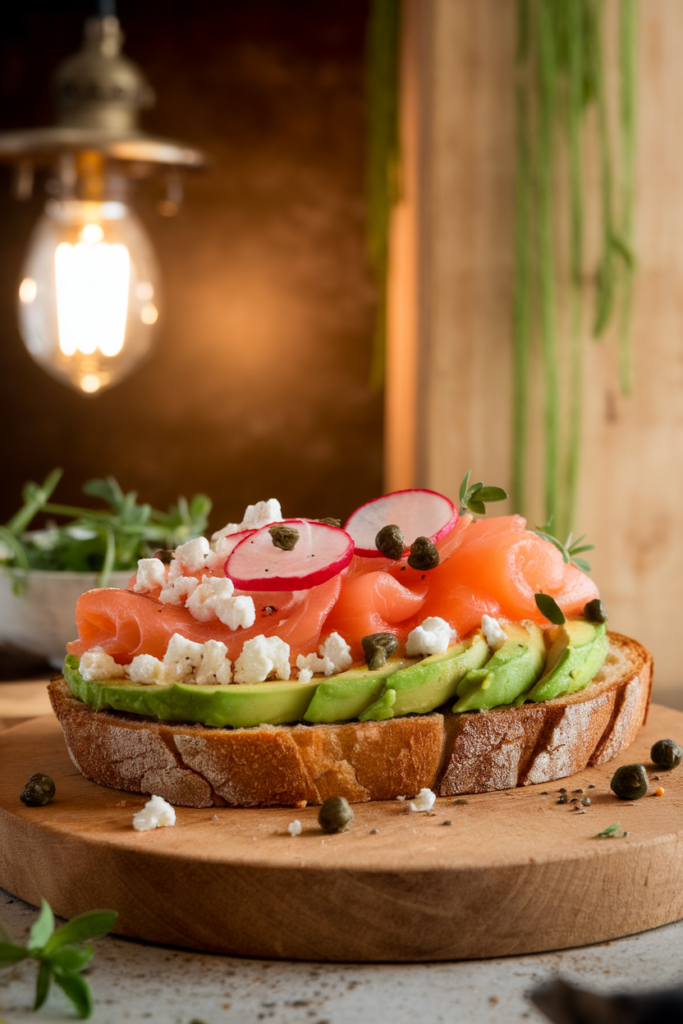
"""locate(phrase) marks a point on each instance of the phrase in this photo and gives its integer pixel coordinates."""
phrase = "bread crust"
(196, 766)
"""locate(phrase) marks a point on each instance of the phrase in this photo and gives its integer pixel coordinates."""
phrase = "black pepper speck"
(374, 831)
(586, 801)
(446, 822)
(563, 799)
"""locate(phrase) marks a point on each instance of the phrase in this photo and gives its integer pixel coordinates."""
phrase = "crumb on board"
(294, 827)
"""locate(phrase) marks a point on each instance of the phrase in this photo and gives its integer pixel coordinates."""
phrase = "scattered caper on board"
(390, 541)
(629, 782)
(377, 648)
(284, 537)
(335, 815)
(666, 754)
(38, 791)
(594, 611)
(424, 554)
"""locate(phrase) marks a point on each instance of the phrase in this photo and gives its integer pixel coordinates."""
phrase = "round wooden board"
(515, 872)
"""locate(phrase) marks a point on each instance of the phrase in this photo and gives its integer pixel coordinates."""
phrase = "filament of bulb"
(92, 297)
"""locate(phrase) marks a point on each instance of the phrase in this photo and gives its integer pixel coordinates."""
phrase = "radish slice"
(321, 552)
(419, 513)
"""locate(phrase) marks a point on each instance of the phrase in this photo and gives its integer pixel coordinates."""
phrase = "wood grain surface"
(454, 234)
(514, 873)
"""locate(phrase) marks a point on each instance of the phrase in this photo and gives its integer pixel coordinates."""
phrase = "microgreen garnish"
(611, 832)
(61, 954)
(474, 498)
(570, 549)
(95, 540)
(549, 607)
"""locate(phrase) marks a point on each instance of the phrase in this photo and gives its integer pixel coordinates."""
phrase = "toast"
(294, 765)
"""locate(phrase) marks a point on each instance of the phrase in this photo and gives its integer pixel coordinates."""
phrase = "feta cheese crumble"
(97, 664)
(424, 801)
(260, 657)
(305, 674)
(184, 662)
(494, 634)
(151, 574)
(157, 813)
(263, 513)
(213, 599)
(335, 656)
(433, 636)
(294, 827)
(178, 590)
(193, 554)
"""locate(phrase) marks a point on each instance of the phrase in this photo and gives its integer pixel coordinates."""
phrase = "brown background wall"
(258, 387)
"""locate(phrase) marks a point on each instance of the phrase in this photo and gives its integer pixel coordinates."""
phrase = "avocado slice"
(345, 696)
(239, 706)
(577, 652)
(429, 683)
(512, 670)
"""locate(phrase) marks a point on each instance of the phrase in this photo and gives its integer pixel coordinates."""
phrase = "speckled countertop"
(136, 982)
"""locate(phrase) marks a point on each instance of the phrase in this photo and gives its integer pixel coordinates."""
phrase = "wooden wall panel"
(631, 492)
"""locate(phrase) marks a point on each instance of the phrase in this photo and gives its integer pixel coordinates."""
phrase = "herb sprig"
(60, 954)
(611, 832)
(95, 540)
(474, 498)
(571, 548)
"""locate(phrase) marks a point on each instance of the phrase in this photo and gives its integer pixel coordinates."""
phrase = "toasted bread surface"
(452, 754)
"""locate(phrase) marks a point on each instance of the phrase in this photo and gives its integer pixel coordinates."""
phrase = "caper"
(594, 611)
(164, 555)
(377, 648)
(335, 815)
(666, 754)
(284, 537)
(424, 554)
(38, 791)
(390, 541)
(330, 521)
(629, 782)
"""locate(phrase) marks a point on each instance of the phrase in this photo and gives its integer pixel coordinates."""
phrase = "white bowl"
(42, 619)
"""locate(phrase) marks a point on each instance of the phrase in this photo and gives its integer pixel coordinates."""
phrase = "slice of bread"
(197, 766)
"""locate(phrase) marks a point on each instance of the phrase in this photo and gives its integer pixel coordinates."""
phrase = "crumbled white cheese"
(151, 574)
(193, 554)
(294, 827)
(213, 599)
(97, 664)
(305, 674)
(183, 657)
(431, 637)
(215, 669)
(260, 657)
(494, 634)
(335, 656)
(157, 813)
(146, 669)
(424, 801)
(255, 516)
(178, 590)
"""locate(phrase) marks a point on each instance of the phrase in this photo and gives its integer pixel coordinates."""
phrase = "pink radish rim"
(435, 537)
(288, 583)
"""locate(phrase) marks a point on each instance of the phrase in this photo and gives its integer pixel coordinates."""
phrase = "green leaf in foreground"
(549, 607)
(611, 832)
(60, 955)
(42, 929)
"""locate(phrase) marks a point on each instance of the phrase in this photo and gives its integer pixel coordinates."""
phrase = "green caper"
(284, 537)
(594, 611)
(330, 521)
(424, 554)
(390, 541)
(335, 815)
(377, 648)
(629, 782)
(38, 791)
(666, 754)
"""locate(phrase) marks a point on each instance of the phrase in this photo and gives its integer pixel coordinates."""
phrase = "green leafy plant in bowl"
(47, 569)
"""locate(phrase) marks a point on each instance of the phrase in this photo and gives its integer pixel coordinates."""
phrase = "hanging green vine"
(560, 77)
(383, 48)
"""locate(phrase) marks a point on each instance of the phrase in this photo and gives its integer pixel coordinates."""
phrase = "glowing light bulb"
(89, 296)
